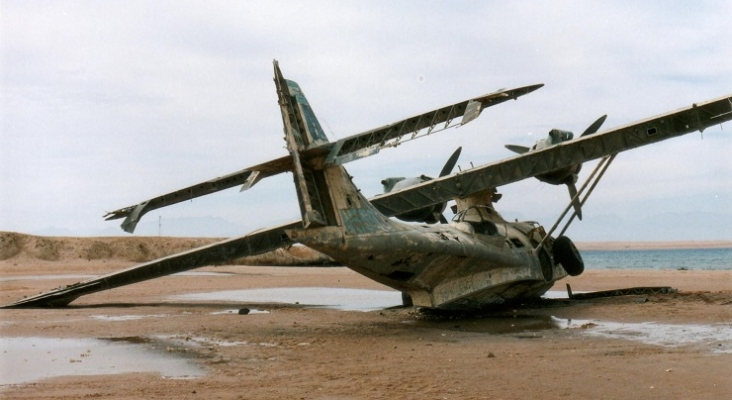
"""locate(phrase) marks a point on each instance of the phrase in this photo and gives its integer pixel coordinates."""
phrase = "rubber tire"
(407, 300)
(566, 253)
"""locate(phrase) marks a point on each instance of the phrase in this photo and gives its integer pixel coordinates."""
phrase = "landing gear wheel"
(566, 253)
(547, 269)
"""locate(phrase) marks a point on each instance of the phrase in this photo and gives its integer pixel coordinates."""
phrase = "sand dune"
(21, 247)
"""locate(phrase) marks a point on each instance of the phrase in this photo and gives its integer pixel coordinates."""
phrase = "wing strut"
(601, 167)
(607, 160)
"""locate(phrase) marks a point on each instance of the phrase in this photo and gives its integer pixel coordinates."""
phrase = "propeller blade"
(595, 126)
(575, 201)
(517, 149)
(450, 164)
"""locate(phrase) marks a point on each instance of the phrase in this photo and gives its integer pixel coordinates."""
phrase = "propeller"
(572, 193)
(564, 176)
(431, 214)
(595, 126)
(572, 179)
(450, 164)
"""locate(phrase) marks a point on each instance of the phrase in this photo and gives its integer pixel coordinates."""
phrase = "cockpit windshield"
(482, 218)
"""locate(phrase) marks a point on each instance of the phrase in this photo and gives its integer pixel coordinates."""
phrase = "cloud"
(106, 104)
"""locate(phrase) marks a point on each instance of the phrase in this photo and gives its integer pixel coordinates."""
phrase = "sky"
(104, 104)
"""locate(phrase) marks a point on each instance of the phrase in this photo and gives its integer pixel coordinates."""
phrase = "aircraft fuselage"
(463, 264)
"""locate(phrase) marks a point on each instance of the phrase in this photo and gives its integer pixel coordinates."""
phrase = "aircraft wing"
(257, 242)
(246, 177)
(686, 120)
(342, 151)
(370, 142)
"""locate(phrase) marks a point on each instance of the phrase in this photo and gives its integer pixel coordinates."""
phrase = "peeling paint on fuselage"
(440, 266)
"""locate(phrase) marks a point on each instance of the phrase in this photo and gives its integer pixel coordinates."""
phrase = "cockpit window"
(480, 217)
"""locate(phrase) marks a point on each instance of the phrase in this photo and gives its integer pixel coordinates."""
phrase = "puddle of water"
(717, 338)
(320, 297)
(29, 359)
(317, 297)
(114, 318)
(556, 294)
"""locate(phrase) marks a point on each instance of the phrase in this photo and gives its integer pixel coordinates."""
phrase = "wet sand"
(556, 349)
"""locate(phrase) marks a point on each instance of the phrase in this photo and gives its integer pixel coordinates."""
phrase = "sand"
(312, 353)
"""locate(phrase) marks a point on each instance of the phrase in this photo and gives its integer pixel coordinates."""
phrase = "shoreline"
(654, 245)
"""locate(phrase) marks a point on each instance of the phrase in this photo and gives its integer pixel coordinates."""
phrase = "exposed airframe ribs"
(370, 142)
(340, 152)
(391, 135)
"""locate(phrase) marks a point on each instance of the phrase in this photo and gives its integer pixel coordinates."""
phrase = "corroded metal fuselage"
(445, 266)
(478, 259)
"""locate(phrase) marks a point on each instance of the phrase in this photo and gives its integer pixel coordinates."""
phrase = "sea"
(664, 259)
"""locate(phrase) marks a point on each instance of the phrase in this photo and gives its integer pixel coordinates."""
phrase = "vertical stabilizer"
(299, 116)
(326, 193)
(302, 131)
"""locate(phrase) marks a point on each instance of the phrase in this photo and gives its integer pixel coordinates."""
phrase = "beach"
(610, 348)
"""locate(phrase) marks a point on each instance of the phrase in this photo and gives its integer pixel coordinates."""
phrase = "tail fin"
(297, 113)
(302, 131)
(326, 194)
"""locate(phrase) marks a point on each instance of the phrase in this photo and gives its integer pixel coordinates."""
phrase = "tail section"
(302, 131)
(326, 194)
(297, 113)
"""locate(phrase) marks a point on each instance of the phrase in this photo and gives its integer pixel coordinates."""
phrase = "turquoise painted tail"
(326, 194)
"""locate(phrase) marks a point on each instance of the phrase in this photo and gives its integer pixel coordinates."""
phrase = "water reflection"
(316, 297)
(523, 324)
(28, 359)
(716, 338)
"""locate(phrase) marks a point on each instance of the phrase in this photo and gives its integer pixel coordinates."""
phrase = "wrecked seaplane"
(476, 260)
